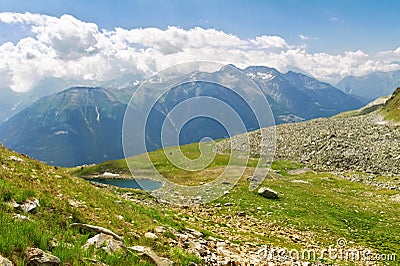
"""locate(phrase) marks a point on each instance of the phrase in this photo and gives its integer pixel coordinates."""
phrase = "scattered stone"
(159, 261)
(110, 175)
(77, 203)
(182, 237)
(94, 262)
(228, 204)
(194, 232)
(150, 235)
(20, 217)
(218, 205)
(241, 214)
(16, 159)
(160, 229)
(37, 257)
(354, 144)
(268, 193)
(106, 242)
(5, 262)
(225, 183)
(97, 229)
(29, 205)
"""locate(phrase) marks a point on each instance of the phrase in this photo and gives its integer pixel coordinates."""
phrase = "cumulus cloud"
(270, 42)
(69, 48)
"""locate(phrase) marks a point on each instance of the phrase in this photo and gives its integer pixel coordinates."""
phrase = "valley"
(336, 181)
(323, 197)
(313, 211)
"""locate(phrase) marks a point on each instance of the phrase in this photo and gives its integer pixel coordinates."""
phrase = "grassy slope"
(50, 222)
(325, 209)
(391, 110)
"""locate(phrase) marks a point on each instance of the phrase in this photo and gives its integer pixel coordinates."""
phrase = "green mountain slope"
(391, 110)
(314, 209)
(64, 200)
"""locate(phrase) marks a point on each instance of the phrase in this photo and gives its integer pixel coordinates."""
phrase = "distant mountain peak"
(83, 125)
(372, 85)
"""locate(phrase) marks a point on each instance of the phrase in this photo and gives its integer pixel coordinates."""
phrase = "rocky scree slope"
(334, 144)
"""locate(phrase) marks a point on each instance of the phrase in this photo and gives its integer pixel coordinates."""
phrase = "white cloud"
(307, 38)
(68, 48)
(270, 42)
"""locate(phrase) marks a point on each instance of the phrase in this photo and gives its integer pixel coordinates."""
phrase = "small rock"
(268, 193)
(77, 203)
(160, 229)
(106, 242)
(15, 158)
(29, 205)
(241, 213)
(19, 217)
(159, 261)
(182, 237)
(228, 204)
(218, 205)
(194, 232)
(5, 262)
(150, 235)
(38, 257)
(94, 262)
(111, 175)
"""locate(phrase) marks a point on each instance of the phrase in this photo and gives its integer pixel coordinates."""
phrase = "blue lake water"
(145, 184)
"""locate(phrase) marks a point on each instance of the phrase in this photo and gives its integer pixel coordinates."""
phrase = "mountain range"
(78, 125)
(371, 86)
(82, 125)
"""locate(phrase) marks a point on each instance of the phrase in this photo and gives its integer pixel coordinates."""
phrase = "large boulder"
(106, 242)
(37, 257)
(268, 193)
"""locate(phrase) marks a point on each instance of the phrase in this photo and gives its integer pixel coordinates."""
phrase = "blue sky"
(335, 26)
(96, 41)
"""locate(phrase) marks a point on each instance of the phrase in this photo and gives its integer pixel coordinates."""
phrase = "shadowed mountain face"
(79, 125)
(371, 86)
(83, 125)
(12, 102)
